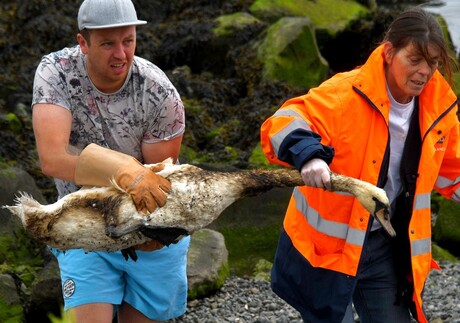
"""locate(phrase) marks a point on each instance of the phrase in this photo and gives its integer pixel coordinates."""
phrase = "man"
(120, 111)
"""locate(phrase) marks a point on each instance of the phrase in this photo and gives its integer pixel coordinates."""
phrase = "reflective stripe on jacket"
(350, 113)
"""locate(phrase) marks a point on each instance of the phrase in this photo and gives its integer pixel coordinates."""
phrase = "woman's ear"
(388, 51)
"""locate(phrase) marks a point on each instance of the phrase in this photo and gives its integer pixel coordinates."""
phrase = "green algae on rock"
(289, 52)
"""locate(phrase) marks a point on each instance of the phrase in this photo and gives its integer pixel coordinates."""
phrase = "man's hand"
(316, 173)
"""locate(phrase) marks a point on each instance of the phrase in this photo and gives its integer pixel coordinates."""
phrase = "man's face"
(110, 55)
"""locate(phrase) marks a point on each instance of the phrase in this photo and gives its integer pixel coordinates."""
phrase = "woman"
(391, 122)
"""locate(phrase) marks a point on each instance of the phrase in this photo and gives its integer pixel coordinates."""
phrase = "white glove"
(316, 173)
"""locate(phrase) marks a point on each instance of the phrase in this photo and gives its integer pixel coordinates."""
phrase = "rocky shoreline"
(246, 300)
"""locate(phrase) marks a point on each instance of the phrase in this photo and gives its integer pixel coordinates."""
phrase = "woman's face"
(407, 71)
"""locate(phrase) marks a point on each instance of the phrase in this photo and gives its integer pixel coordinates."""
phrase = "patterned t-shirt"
(147, 108)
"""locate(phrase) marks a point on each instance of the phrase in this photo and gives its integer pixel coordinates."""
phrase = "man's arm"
(52, 125)
(96, 165)
(158, 152)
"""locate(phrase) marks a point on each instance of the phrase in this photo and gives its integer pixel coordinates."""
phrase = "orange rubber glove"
(97, 165)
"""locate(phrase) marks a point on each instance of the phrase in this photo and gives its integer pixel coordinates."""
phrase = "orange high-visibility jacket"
(350, 112)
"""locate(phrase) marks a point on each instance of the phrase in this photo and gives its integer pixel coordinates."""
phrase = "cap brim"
(136, 23)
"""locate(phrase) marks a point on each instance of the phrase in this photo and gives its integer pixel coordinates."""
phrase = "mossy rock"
(457, 83)
(263, 269)
(440, 254)
(289, 53)
(259, 160)
(211, 286)
(333, 15)
(457, 89)
(207, 263)
(11, 122)
(21, 255)
(445, 30)
(446, 231)
(228, 25)
(11, 310)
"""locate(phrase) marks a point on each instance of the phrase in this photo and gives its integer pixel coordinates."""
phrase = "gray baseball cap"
(98, 14)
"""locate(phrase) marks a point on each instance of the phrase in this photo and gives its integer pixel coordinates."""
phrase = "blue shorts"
(156, 284)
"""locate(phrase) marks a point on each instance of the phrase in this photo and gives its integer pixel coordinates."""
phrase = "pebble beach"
(244, 300)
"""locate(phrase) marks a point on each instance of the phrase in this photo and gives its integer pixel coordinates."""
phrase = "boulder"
(10, 302)
(207, 266)
(290, 53)
(14, 180)
(333, 15)
(263, 270)
(45, 291)
(19, 254)
(446, 231)
(236, 27)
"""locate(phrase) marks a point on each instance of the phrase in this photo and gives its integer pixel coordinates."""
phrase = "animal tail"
(24, 200)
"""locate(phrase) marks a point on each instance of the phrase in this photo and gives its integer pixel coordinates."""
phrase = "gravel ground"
(248, 300)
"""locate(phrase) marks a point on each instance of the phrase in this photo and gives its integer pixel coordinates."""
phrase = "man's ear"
(83, 43)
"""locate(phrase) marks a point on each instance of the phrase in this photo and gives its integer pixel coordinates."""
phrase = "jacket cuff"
(301, 146)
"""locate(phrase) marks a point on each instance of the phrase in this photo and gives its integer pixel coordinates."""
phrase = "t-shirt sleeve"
(167, 119)
(50, 84)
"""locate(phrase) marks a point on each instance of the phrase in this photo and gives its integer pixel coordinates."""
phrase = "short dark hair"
(420, 28)
(86, 33)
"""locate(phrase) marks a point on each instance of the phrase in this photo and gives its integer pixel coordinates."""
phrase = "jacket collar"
(435, 100)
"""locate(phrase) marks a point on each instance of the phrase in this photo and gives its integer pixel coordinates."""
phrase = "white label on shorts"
(68, 288)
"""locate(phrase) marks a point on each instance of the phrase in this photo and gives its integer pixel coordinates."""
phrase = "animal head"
(371, 197)
(375, 200)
